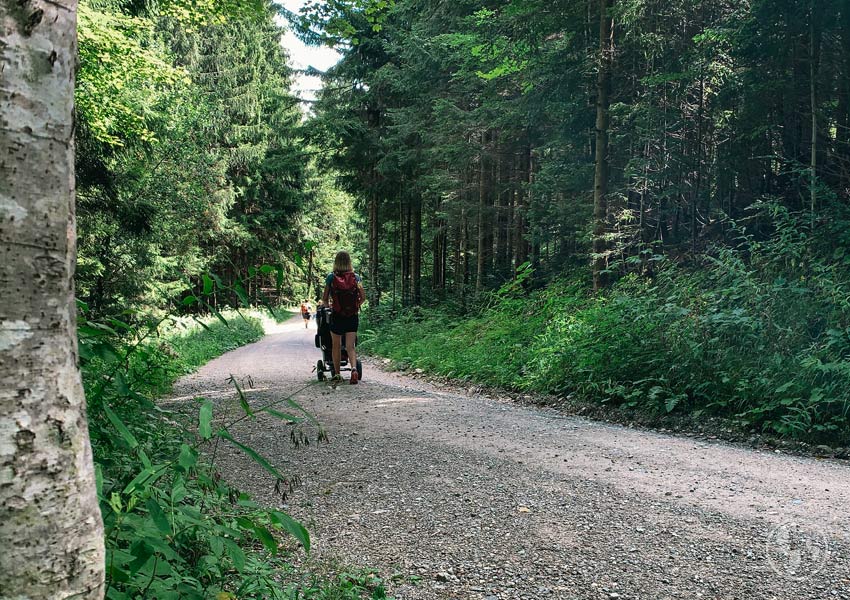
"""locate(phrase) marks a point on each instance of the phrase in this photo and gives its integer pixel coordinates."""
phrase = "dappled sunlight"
(404, 400)
(272, 326)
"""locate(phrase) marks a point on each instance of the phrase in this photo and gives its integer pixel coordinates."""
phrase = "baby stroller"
(324, 342)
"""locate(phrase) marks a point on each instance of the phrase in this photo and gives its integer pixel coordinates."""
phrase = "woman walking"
(344, 291)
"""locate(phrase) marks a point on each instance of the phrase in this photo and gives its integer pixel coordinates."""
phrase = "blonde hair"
(342, 262)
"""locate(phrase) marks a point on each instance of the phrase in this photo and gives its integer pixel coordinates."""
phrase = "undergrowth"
(758, 333)
(174, 529)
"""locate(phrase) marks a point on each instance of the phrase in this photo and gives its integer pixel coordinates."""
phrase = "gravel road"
(464, 496)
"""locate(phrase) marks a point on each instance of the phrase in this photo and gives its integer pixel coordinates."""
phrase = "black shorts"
(341, 325)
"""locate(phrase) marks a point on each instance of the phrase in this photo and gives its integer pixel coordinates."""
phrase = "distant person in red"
(344, 291)
(305, 312)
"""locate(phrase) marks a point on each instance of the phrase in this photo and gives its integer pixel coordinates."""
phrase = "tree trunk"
(842, 136)
(395, 262)
(520, 243)
(460, 238)
(483, 229)
(502, 221)
(50, 526)
(600, 183)
(509, 225)
(814, 43)
(374, 234)
(404, 210)
(534, 228)
(462, 274)
(416, 262)
(310, 274)
(438, 272)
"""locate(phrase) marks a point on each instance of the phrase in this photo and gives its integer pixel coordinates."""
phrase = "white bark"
(51, 533)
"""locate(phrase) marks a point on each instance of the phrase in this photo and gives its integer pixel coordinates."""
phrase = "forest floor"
(454, 495)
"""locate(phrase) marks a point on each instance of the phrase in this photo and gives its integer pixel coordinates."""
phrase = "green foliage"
(346, 586)
(759, 334)
(124, 82)
(185, 345)
(174, 528)
(190, 159)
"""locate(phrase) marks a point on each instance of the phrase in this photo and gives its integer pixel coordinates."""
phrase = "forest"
(634, 205)
(689, 161)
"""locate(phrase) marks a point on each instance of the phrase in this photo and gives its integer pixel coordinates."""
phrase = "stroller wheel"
(359, 369)
(320, 370)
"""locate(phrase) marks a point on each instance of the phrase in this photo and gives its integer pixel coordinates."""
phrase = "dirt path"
(481, 498)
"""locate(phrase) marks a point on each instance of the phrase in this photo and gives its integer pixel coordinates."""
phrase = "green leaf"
(279, 281)
(142, 552)
(296, 529)
(236, 554)
(241, 294)
(223, 433)
(143, 477)
(221, 318)
(201, 323)
(121, 325)
(189, 300)
(158, 516)
(293, 404)
(121, 385)
(205, 419)
(119, 425)
(208, 285)
(266, 538)
(217, 545)
(243, 401)
(283, 416)
(115, 502)
(671, 403)
(188, 457)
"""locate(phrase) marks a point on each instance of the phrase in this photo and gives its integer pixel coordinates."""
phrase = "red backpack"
(346, 296)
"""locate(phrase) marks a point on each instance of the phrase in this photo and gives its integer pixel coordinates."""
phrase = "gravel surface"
(464, 496)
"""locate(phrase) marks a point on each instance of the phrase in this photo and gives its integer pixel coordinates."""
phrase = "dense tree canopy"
(471, 129)
(191, 159)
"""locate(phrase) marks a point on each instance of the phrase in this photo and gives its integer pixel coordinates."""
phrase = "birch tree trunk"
(51, 533)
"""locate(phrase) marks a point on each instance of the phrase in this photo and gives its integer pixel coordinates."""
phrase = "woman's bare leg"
(350, 343)
(337, 351)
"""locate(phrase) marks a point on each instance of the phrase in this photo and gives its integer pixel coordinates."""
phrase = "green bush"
(759, 333)
(184, 344)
